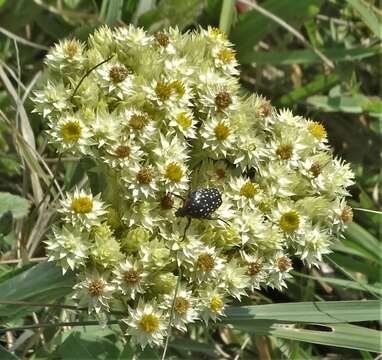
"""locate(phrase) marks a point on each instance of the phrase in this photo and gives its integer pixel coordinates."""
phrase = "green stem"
(226, 15)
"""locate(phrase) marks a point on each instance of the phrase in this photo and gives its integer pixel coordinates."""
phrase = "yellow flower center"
(253, 268)
(149, 323)
(174, 172)
(96, 288)
(216, 304)
(163, 91)
(82, 205)
(132, 276)
(118, 73)
(181, 305)
(183, 120)
(226, 55)
(71, 48)
(284, 263)
(206, 262)
(290, 221)
(179, 88)
(71, 131)
(215, 32)
(137, 122)
(284, 152)
(249, 190)
(317, 130)
(122, 151)
(221, 131)
(145, 176)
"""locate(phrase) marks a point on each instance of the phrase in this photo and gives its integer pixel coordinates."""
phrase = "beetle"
(200, 204)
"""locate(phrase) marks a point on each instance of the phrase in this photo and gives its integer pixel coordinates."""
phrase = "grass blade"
(368, 16)
(340, 335)
(226, 15)
(326, 312)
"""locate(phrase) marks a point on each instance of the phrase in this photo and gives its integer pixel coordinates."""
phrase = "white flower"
(130, 278)
(67, 56)
(69, 247)
(70, 134)
(204, 262)
(218, 138)
(124, 153)
(213, 303)
(147, 324)
(244, 192)
(117, 79)
(82, 209)
(278, 268)
(139, 125)
(185, 308)
(141, 182)
(53, 100)
(94, 291)
(234, 279)
(256, 269)
(182, 121)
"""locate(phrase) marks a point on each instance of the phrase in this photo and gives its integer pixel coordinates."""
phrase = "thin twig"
(87, 74)
(368, 210)
(59, 324)
(242, 347)
(172, 312)
(292, 30)
(16, 261)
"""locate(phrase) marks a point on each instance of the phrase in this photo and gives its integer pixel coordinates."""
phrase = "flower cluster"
(162, 115)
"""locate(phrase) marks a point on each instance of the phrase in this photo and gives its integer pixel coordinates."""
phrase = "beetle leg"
(186, 228)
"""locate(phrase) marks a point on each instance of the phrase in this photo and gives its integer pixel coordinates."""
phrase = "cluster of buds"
(162, 115)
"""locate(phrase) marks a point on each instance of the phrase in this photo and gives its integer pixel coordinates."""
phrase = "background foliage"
(319, 57)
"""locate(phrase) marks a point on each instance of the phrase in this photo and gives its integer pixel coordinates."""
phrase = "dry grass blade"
(22, 40)
(26, 131)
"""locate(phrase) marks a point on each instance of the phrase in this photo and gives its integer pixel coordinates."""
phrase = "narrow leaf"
(327, 312)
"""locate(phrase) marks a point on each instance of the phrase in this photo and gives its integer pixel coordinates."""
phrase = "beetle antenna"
(178, 196)
(217, 218)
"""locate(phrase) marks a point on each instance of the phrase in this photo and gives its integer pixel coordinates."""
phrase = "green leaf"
(308, 56)
(226, 15)
(340, 335)
(253, 27)
(192, 345)
(364, 239)
(17, 205)
(368, 16)
(327, 312)
(111, 11)
(85, 345)
(42, 283)
(350, 104)
(346, 284)
(6, 355)
(319, 83)
(172, 13)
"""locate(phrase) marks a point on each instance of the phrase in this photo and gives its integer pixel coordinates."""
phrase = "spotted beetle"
(200, 204)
